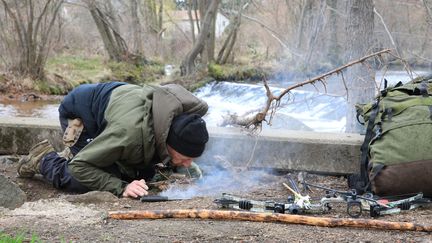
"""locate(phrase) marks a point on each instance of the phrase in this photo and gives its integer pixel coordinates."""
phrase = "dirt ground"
(55, 216)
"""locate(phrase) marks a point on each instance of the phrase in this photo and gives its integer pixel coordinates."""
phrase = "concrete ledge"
(18, 134)
(328, 153)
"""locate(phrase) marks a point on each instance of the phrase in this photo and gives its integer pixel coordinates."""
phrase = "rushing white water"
(300, 110)
(316, 111)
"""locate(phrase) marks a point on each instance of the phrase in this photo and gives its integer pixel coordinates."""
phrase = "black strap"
(364, 160)
(388, 112)
(423, 87)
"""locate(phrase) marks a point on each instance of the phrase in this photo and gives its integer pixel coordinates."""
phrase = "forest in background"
(50, 46)
(295, 36)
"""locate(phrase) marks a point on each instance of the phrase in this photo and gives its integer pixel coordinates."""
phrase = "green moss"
(235, 73)
(45, 87)
(137, 74)
(196, 85)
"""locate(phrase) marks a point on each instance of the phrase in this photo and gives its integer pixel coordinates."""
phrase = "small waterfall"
(299, 110)
(304, 109)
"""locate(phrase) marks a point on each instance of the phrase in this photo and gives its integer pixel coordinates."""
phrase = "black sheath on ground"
(157, 198)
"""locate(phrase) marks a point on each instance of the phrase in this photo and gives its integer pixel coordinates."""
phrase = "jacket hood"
(170, 101)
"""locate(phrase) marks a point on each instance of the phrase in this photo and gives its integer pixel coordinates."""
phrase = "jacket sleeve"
(105, 150)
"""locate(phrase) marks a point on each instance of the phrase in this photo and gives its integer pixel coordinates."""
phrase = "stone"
(11, 196)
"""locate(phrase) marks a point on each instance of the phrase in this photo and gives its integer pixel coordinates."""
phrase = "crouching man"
(117, 134)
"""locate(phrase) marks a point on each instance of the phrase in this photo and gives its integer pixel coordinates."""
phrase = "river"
(304, 109)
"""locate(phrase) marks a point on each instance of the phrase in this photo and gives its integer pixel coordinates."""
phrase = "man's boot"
(29, 165)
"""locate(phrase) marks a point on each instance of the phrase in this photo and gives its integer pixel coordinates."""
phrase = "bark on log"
(269, 217)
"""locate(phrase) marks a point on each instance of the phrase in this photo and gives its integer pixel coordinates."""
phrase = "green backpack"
(397, 151)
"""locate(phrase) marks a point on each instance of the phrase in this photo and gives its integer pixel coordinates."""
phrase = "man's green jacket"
(138, 121)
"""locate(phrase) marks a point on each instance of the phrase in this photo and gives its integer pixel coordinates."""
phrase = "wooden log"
(269, 217)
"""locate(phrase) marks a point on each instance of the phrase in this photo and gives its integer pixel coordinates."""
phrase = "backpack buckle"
(378, 131)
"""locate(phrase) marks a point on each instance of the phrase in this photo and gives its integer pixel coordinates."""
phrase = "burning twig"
(270, 217)
(273, 102)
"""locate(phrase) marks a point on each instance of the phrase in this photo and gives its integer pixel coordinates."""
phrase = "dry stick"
(337, 70)
(406, 65)
(269, 217)
(258, 118)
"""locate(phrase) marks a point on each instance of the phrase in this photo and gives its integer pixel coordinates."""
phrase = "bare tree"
(229, 42)
(191, 5)
(316, 24)
(152, 11)
(428, 8)
(188, 64)
(136, 28)
(27, 29)
(332, 49)
(233, 27)
(207, 53)
(305, 20)
(106, 21)
(359, 42)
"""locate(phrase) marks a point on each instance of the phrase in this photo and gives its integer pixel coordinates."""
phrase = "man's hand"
(136, 189)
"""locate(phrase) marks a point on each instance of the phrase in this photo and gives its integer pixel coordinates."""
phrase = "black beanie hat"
(188, 135)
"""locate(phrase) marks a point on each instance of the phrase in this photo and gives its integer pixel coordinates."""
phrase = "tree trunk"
(361, 89)
(332, 44)
(107, 25)
(152, 23)
(202, 9)
(228, 45)
(191, 20)
(428, 9)
(197, 17)
(136, 29)
(188, 64)
(316, 23)
(304, 21)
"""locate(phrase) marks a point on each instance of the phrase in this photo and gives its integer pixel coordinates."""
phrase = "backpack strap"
(423, 88)
(363, 183)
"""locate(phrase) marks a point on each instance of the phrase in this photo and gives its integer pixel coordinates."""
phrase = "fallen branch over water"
(273, 101)
(269, 217)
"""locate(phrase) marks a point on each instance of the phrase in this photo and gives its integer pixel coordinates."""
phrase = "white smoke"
(217, 181)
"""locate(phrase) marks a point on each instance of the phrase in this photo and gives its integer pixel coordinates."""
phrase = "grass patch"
(64, 72)
(78, 69)
(18, 238)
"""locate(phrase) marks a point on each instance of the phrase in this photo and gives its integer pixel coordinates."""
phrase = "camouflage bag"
(397, 151)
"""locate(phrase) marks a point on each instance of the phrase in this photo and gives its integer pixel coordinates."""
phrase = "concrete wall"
(329, 153)
(19, 134)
